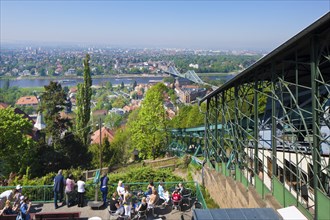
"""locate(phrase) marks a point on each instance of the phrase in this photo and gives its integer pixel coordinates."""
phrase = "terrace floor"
(87, 212)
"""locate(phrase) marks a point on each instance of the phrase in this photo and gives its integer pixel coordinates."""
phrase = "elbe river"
(25, 83)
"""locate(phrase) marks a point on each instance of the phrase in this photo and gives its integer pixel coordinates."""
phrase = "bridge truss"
(190, 75)
(276, 123)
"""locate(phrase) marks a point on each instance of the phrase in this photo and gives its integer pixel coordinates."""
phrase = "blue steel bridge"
(270, 125)
(190, 75)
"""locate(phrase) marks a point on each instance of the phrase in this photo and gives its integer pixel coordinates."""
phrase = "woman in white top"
(120, 189)
(81, 191)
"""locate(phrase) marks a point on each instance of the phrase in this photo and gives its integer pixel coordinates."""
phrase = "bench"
(57, 215)
(13, 216)
(8, 217)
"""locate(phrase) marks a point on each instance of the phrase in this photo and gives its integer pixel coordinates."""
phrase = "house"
(27, 101)
(118, 111)
(105, 133)
(100, 112)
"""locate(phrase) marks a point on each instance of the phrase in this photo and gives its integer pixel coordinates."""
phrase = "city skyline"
(258, 25)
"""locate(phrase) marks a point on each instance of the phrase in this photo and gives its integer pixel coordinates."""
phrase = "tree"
(122, 85)
(17, 147)
(134, 84)
(113, 120)
(149, 130)
(53, 101)
(108, 85)
(84, 96)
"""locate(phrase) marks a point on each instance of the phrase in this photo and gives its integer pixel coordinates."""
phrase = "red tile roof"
(27, 100)
(105, 133)
(3, 105)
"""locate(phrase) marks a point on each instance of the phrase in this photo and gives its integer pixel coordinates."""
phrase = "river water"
(25, 83)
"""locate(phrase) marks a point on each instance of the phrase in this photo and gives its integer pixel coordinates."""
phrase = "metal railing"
(45, 194)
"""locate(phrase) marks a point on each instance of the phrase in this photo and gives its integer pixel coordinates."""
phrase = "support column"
(215, 142)
(223, 127)
(256, 128)
(236, 129)
(316, 120)
(274, 142)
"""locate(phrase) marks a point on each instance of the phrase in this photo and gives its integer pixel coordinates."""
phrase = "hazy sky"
(217, 24)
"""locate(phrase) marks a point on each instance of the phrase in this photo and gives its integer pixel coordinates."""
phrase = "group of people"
(67, 186)
(121, 201)
(21, 204)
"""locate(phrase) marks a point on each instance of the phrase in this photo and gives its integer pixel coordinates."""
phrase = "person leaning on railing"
(10, 195)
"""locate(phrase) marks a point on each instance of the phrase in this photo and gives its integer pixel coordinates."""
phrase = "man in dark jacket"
(59, 184)
(104, 187)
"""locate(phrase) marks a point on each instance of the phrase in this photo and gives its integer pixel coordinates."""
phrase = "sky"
(217, 24)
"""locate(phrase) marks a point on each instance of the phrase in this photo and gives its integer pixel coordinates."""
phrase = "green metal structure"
(274, 119)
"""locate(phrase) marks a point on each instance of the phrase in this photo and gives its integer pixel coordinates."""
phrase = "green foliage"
(84, 95)
(17, 148)
(53, 102)
(213, 63)
(186, 160)
(120, 148)
(145, 174)
(113, 120)
(149, 130)
(119, 102)
(189, 116)
(12, 94)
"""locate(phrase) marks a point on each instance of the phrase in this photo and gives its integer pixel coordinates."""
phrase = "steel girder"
(276, 123)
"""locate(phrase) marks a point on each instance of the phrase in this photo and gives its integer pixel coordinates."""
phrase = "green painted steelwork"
(275, 119)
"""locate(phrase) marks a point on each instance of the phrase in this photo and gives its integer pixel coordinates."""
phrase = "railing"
(45, 194)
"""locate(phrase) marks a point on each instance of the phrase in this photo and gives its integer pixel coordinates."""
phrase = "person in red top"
(176, 196)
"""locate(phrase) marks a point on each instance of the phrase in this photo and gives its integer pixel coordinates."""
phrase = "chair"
(197, 205)
(177, 204)
(187, 195)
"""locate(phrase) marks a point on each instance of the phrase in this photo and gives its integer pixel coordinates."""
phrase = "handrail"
(45, 194)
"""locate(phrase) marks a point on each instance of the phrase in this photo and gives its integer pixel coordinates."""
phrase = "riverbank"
(81, 77)
(109, 76)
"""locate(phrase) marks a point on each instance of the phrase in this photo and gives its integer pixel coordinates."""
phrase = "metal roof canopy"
(247, 213)
(286, 51)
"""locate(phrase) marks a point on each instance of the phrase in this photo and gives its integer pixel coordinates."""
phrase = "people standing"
(104, 187)
(59, 183)
(81, 191)
(120, 189)
(69, 189)
(127, 201)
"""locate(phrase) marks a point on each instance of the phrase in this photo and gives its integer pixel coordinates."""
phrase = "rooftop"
(27, 100)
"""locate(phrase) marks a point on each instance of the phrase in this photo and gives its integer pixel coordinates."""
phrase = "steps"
(229, 193)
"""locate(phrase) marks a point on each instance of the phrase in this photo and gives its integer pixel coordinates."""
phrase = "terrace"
(43, 205)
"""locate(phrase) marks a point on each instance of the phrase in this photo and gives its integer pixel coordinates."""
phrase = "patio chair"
(176, 204)
(187, 196)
